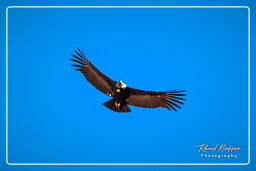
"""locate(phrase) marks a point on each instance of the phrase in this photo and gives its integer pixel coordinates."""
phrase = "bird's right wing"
(92, 74)
(153, 99)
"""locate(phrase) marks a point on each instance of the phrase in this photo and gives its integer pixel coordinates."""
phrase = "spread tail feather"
(111, 105)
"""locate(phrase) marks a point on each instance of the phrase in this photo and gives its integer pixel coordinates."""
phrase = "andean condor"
(121, 93)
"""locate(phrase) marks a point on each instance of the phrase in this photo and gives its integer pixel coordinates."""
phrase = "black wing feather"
(153, 99)
(92, 74)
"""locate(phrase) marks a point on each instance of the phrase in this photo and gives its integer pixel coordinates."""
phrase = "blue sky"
(56, 116)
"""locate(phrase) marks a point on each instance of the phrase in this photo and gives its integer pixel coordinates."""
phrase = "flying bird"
(121, 94)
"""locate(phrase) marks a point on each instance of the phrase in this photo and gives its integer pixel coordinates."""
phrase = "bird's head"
(120, 86)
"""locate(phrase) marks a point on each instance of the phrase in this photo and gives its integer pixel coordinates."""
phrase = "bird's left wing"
(92, 74)
(153, 99)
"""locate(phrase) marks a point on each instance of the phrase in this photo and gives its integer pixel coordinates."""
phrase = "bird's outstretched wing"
(92, 74)
(152, 99)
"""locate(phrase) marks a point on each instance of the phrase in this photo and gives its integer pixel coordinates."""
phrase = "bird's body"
(120, 97)
(121, 94)
(119, 101)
